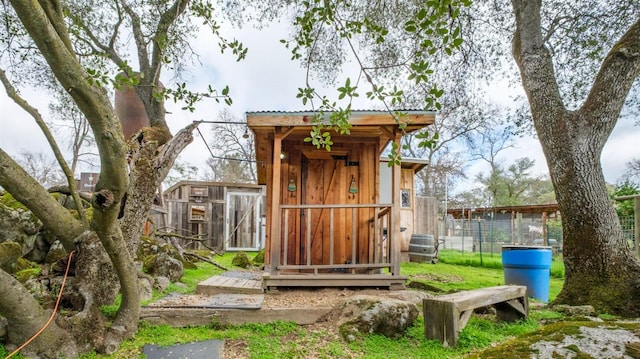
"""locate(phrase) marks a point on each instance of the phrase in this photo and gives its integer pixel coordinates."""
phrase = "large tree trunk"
(26, 317)
(599, 268)
(106, 252)
(150, 164)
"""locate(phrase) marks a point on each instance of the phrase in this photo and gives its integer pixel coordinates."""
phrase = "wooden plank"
(295, 161)
(314, 194)
(337, 280)
(336, 266)
(441, 322)
(275, 204)
(186, 317)
(394, 231)
(445, 316)
(485, 296)
(226, 284)
(332, 170)
(365, 195)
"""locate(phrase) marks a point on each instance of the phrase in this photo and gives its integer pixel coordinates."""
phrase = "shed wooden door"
(243, 214)
(320, 178)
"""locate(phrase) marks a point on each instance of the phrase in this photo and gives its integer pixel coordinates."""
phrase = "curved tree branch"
(533, 57)
(161, 34)
(111, 187)
(91, 100)
(30, 193)
(617, 74)
(12, 93)
(138, 36)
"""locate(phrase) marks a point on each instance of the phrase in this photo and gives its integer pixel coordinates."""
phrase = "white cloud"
(18, 130)
(268, 81)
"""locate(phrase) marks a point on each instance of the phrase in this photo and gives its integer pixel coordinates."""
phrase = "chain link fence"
(488, 235)
(628, 228)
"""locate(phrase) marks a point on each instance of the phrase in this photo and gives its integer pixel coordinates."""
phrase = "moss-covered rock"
(241, 260)
(24, 264)
(56, 253)
(14, 211)
(363, 315)
(149, 263)
(10, 252)
(8, 200)
(24, 275)
(259, 258)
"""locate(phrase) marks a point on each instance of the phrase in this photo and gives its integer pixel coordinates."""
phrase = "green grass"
(288, 340)
(492, 260)
(456, 271)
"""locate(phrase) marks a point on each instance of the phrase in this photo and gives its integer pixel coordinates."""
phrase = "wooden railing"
(376, 220)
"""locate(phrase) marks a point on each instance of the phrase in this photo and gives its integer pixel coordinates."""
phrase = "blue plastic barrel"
(530, 266)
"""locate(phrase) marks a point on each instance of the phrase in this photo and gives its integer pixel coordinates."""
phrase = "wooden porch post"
(395, 214)
(275, 232)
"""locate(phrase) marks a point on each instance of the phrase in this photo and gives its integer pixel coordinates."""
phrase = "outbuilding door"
(321, 179)
(242, 231)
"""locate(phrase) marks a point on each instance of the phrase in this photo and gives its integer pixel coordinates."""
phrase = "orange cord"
(55, 309)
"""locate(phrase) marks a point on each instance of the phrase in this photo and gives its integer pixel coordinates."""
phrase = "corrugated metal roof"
(361, 112)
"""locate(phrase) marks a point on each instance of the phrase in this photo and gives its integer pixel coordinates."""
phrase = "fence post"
(480, 237)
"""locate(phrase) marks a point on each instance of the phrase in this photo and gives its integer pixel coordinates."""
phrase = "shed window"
(405, 198)
(197, 212)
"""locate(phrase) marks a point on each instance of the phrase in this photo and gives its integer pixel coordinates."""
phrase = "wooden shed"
(325, 222)
(417, 214)
(227, 216)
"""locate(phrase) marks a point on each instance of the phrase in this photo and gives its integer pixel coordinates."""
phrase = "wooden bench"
(445, 316)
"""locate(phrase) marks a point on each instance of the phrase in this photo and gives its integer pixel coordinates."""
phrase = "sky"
(268, 81)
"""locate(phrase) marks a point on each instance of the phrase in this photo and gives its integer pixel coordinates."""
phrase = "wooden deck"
(225, 284)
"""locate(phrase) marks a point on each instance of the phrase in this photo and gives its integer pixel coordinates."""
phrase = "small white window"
(197, 212)
(405, 198)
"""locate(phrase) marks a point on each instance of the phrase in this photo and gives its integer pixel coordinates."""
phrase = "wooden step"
(225, 284)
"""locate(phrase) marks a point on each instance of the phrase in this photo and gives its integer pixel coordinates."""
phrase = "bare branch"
(13, 94)
(28, 191)
(166, 21)
(138, 36)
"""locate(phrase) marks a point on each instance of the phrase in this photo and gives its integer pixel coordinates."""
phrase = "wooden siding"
(322, 180)
(406, 213)
(426, 216)
(182, 197)
(316, 225)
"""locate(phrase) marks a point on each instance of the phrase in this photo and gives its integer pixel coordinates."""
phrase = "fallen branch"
(205, 259)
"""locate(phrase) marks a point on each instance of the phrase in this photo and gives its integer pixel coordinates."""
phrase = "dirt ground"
(605, 340)
(324, 297)
(323, 332)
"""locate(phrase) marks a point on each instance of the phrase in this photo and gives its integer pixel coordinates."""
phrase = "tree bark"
(99, 263)
(150, 164)
(26, 317)
(111, 187)
(599, 267)
(30, 193)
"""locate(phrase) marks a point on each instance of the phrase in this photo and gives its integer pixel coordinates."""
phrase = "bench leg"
(512, 310)
(441, 321)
